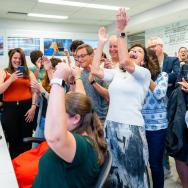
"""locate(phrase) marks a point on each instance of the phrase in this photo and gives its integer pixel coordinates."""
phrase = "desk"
(7, 175)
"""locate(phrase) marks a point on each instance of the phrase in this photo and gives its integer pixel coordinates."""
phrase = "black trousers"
(15, 126)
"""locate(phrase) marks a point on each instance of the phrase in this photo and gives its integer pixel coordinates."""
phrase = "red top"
(19, 90)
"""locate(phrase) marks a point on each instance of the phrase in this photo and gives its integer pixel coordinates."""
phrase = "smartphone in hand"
(21, 69)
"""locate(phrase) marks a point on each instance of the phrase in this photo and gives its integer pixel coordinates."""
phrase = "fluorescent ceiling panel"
(80, 4)
(47, 16)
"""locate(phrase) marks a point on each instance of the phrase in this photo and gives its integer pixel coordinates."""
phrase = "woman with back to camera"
(19, 102)
(75, 157)
(124, 125)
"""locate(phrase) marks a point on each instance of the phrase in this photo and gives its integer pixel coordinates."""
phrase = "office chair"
(102, 181)
(33, 139)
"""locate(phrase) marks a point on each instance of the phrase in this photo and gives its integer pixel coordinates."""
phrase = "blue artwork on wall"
(56, 47)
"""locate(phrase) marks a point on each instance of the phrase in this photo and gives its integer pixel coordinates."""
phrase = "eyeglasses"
(154, 46)
(81, 56)
(183, 51)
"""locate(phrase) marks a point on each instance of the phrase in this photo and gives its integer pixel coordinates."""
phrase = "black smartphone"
(61, 49)
(21, 69)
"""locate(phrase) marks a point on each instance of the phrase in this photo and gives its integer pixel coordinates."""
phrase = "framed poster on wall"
(1, 46)
(28, 44)
(56, 46)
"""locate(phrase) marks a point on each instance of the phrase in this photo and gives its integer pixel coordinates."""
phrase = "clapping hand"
(39, 63)
(47, 63)
(121, 20)
(62, 71)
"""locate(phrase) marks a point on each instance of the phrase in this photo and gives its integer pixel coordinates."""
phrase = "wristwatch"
(57, 81)
(122, 35)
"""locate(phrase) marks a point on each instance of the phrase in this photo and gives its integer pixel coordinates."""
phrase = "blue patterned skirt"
(129, 149)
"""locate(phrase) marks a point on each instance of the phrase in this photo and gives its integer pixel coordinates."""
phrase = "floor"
(173, 181)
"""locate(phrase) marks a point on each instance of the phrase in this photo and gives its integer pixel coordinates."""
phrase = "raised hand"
(102, 34)
(121, 20)
(47, 63)
(76, 71)
(62, 71)
(38, 63)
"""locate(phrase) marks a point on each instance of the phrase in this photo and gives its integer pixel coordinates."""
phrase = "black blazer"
(176, 117)
(171, 66)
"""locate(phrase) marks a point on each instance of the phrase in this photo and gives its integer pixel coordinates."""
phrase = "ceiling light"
(80, 4)
(47, 16)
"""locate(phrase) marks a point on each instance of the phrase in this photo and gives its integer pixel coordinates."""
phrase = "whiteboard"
(173, 35)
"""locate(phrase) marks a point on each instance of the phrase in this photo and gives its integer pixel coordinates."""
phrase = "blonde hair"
(113, 38)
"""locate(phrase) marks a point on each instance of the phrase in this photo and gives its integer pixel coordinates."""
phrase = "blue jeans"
(39, 133)
(156, 145)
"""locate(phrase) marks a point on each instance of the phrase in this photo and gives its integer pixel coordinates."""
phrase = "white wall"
(17, 28)
(173, 35)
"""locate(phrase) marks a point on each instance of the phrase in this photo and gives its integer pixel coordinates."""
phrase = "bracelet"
(92, 82)
(33, 104)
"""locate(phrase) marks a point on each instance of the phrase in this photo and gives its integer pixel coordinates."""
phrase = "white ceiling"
(148, 10)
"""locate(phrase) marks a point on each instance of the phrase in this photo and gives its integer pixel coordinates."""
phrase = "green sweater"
(54, 172)
(40, 74)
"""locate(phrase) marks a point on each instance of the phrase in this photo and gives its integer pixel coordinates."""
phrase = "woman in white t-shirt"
(124, 123)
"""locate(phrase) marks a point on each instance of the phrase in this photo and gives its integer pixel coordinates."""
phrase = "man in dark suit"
(170, 65)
